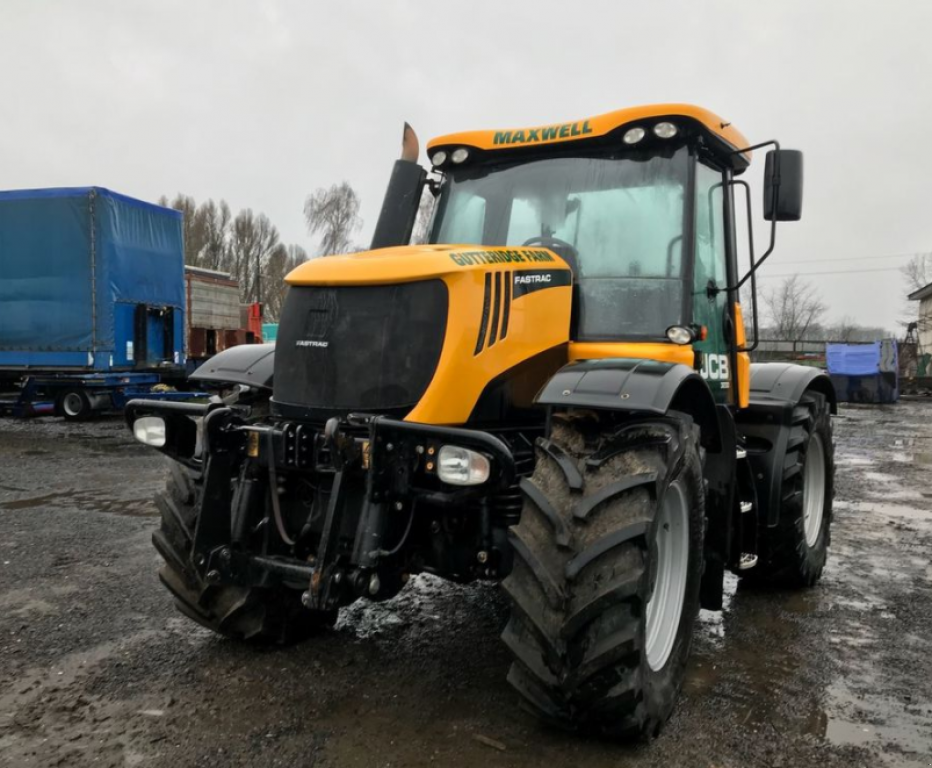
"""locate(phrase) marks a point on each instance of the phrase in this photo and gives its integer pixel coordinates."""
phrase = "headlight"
(665, 130)
(150, 430)
(679, 334)
(439, 158)
(633, 135)
(459, 155)
(460, 466)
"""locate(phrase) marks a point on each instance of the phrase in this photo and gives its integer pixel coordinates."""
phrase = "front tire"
(605, 586)
(241, 613)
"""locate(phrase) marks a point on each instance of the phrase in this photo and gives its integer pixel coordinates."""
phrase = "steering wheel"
(547, 242)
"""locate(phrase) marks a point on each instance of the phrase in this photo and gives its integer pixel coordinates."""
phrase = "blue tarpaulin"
(853, 359)
(67, 258)
(864, 373)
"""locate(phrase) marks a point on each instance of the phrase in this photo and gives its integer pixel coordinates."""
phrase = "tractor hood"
(417, 262)
(422, 331)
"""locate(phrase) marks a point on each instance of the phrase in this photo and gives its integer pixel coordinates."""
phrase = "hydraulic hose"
(273, 487)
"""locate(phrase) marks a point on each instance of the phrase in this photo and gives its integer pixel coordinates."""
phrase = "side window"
(710, 228)
(710, 268)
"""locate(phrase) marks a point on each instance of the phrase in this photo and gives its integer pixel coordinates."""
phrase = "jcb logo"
(715, 368)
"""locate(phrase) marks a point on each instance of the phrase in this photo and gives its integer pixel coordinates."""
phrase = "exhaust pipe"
(403, 196)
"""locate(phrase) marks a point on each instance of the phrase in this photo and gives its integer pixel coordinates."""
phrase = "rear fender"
(776, 388)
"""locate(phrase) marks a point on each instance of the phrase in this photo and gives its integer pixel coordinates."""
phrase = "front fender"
(635, 386)
(249, 364)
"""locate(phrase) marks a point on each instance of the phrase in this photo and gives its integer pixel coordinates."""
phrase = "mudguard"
(635, 386)
(249, 364)
(766, 424)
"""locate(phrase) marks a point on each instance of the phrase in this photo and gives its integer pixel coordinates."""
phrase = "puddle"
(94, 501)
(712, 623)
(899, 511)
(867, 719)
(854, 461)
(880, 477)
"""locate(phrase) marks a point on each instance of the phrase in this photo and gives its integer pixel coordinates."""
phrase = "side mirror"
(783, 185)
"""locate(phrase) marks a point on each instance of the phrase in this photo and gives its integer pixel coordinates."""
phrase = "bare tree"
(281, 261)
(918, 271)
(334, 213)
(192, 226)
(253, 239)
(844, 330)
(215, 220)
(247, 247)
(425, 211)
(794, 309)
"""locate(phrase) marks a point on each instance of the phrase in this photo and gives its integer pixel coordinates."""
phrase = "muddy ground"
(97, 669)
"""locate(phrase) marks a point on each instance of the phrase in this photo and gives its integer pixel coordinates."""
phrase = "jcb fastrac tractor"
(555, 393)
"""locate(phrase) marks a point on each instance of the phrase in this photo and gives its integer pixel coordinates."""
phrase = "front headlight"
(150, 430)
(461, 466)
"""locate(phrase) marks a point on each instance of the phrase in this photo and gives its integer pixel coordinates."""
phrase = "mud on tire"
(585, 554)
(253, 614)
(790, 558)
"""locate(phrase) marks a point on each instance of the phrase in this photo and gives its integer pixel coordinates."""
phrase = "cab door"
(710, 276)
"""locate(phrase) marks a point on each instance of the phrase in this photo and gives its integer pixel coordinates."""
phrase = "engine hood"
(417, 262)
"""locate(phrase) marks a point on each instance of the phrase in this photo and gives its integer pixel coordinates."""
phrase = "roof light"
(439, 158)
(634, 135)
(680, 334)
(459, 155)
(665, 130)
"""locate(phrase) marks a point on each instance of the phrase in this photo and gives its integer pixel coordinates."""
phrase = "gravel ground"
(97, 669)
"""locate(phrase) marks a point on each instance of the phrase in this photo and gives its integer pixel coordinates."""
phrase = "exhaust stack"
(403, 196)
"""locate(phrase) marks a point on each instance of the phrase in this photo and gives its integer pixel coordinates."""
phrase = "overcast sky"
(261, 102)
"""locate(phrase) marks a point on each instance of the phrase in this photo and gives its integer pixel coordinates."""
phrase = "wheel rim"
(814, 490)
(670, 556)
(73, 404)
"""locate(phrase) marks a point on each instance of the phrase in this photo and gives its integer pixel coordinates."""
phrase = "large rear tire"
(605, 586)
(242, 613)
(793, 554)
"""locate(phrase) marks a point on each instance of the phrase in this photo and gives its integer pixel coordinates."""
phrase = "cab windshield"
(618, 221)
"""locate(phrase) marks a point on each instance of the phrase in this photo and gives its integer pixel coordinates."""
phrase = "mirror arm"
(755, 265)
(775, 192)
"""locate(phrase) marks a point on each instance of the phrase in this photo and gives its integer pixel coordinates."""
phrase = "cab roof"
(721, 131)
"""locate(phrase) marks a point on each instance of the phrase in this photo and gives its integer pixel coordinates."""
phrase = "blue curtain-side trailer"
(92, 299)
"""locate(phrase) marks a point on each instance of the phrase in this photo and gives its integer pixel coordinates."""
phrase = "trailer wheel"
(794, 553)
(605, 587)
(241, 613)
(74, 405)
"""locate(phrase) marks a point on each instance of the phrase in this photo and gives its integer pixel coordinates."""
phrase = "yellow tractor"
(554, 393)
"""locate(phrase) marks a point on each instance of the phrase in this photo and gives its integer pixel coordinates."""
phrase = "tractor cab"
(640, 205)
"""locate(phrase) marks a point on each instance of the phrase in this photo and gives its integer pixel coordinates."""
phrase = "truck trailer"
(92, 295)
